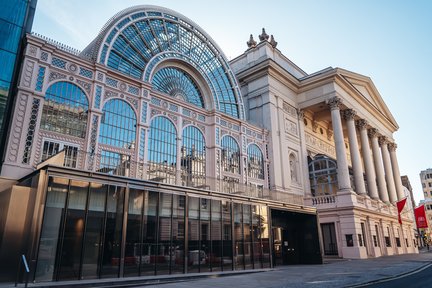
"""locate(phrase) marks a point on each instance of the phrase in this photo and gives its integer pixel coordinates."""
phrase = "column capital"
(349, 114)
(362, 124)
(382, 140)
(373, 132)
(392, 146)
(334, 103)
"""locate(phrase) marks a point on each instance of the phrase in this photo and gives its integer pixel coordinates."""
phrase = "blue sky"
(387, 40)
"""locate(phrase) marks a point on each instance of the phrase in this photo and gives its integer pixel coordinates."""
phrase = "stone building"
(149, 153)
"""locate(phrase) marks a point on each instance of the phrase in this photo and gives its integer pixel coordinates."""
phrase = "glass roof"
(140, 39)
(178, 84)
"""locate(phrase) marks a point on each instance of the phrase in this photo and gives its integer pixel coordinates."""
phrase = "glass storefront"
(97, 230)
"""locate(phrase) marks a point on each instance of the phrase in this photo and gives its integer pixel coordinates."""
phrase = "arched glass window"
(162, 151)
(323, 176)
(193, 157)
(179, 84)
(230, 155)
(118, 124)
(255, 162)
(65, 110)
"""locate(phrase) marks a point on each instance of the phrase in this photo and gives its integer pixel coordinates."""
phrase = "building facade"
(426, 180)
(134, 157)
(16, 19)
(149, 153)
(331, 141)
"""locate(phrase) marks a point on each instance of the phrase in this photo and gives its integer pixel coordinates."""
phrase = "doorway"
(329, 239)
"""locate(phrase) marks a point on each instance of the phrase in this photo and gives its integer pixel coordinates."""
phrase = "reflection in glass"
(215, 256)
(118, 124)
(113, 231)
(193, 157)
(238, 237)
(230, 155)
(114, 163)
(179, 84)
(205, 234)
(323, 176)
(65, 110)
(255, 162)
(264, 236)
(195, 256)
(255, 236)
(93, 231)
(70, 255)
(165, 251)
(227, 247)
(248, 245)
(149, 240)
(133, 233)
(51, 228)
(162, 151)
(178, 234)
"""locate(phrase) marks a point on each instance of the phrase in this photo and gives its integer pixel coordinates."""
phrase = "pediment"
(367, 93)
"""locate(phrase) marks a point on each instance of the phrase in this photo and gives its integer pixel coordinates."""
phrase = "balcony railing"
(163, 173)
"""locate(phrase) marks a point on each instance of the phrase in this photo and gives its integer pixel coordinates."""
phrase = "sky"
(389, 41)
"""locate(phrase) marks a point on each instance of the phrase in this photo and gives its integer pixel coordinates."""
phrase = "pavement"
(333, 273)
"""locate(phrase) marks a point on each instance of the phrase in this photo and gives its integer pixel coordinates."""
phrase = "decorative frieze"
(28, 72)
(31, 131)
(56, 76)
(16, 130)
(289, 109)
(85, 85)
(133, 101)
(291, 127)
(110, 94)
(320, 145)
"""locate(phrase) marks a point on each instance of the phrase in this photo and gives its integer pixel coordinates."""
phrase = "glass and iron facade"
(161, 173)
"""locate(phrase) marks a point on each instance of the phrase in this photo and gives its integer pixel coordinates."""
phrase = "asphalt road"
(420, 279)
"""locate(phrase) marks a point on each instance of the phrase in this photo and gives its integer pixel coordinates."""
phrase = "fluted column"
(355, 152)
(382, 187)
(388, 169)
(396, 173)
(342, 163)
(367, 159)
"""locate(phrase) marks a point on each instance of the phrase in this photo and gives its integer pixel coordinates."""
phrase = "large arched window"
(118, 124)
(193, 157)
(178, 84)
(65, 110)
(162, 150)
(255, 162)
(230, 155)
(323, 176)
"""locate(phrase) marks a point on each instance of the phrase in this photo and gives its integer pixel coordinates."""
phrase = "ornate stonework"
(16, 131)
(85, 85)
(289, 109)
(362, 124)
(33, 50)
(329, 134)
(373, 132)
(251, 43)
(382, 140)
(110, 94)
(263, 36)
(28, 72)
(320, 145)
(55, 76)
(72, 68)
(392, 146)
(334, 103)
(349, 114)
(301, 114)
(273, 42)
(133, 101)
(291, 127)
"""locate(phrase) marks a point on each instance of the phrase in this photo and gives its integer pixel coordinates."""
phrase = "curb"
(386, 279)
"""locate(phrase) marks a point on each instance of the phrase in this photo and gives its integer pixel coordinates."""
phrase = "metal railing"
(163, 173)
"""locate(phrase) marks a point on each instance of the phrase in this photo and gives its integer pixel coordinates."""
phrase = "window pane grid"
(255, 162)
(193, 157)
(230, 155)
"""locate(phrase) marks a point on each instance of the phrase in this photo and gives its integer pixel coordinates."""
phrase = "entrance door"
(329, 239)
(285, 247)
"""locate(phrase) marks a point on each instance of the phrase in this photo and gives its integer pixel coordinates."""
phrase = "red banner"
(420, 216)
(400, 205)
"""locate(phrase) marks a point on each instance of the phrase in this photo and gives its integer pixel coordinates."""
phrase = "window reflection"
(118, 124)
(114, 163)
(65, 110)
(230, 155)
(323, 176)
(178, 84)
(162, 151)
(255, 162)
(193, 157)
